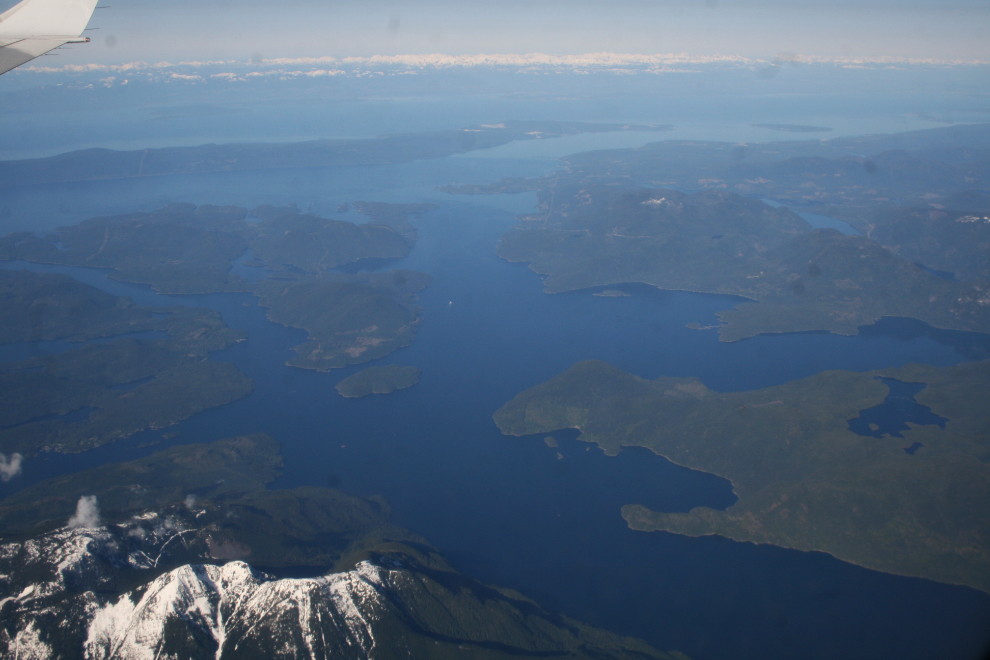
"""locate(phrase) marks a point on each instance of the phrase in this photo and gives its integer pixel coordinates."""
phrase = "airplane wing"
(34, 27)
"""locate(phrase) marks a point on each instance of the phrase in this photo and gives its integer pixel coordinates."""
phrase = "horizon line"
(443, 61)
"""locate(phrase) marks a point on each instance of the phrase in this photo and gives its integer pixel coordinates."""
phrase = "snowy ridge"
(66, 566)
(86, 557)
(140, 590)
(194, 610)
(238, 607)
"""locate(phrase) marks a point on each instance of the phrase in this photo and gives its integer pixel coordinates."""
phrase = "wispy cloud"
(87, 513)
(10, 467)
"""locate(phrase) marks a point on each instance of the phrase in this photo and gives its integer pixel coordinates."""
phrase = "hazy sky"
(154, 30)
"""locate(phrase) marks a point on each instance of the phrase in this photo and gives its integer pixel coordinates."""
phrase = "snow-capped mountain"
(223, 611)
(105, 593)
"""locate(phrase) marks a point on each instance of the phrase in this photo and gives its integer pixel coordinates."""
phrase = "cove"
(897, 410)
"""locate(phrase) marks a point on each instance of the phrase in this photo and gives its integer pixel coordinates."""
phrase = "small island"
(378, 380)
(793, 128)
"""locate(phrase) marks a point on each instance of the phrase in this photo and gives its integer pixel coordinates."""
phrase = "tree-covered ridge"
(719, 242)
(182, 248)
(94, 164)
(48, 306)
(102, 392)
(288, 239)
(803, 479)
(88, 397)
(952, 235)
(915, 196)
(840, 175)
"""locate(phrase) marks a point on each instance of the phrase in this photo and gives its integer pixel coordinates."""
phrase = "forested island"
(794, 128)
(95, 164)
(378, 380)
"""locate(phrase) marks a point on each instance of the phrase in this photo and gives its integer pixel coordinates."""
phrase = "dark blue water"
(895, 413)
(941, 274)
(511, 512)
(825, 222)
(817, 221)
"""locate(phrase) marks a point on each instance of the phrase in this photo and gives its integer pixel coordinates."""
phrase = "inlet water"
(543, 520)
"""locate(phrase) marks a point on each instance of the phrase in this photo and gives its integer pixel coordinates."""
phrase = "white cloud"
(190, 501)
(618, 63)
(87, 513)
(10, 467)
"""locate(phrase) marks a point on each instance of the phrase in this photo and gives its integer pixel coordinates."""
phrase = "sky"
(154, 30)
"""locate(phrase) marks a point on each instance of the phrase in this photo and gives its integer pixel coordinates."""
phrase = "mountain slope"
(95, 593)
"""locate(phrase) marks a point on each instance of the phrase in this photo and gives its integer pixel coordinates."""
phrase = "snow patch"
(28, 644)
(218, 599)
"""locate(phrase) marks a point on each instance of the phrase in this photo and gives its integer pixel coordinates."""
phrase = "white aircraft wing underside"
(25, 50)
(34, 27)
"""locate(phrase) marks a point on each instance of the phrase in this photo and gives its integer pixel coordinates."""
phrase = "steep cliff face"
(105, 593)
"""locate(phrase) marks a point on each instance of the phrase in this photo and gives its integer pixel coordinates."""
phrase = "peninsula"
(96, 164)
(804, 479)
